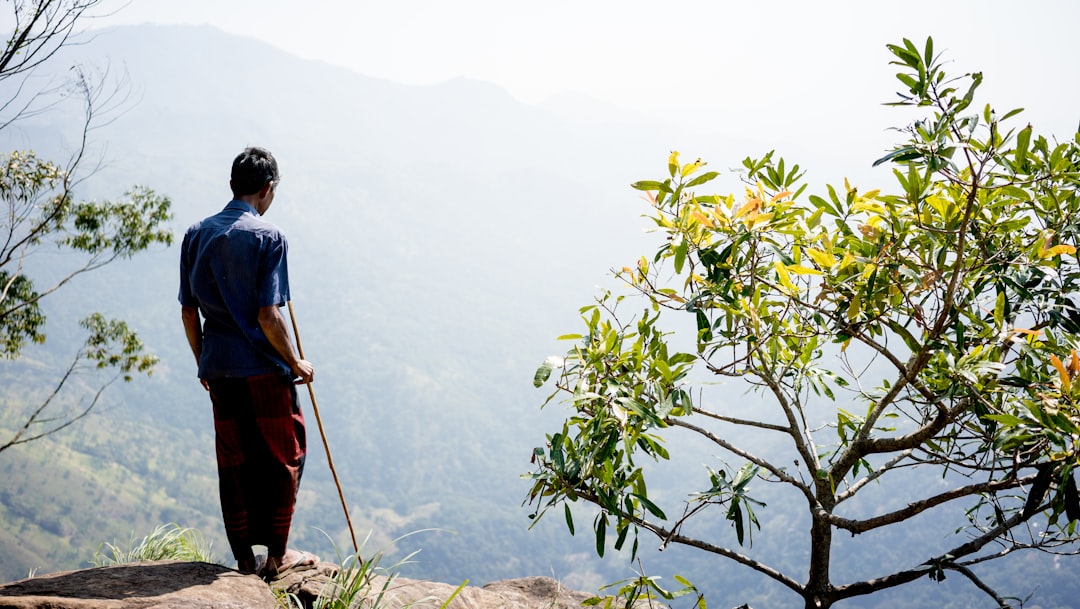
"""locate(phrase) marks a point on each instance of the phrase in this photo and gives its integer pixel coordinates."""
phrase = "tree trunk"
(818, 593)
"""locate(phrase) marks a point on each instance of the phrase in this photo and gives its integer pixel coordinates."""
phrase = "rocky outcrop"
(151, 585)
(524, 593)
(185, 585)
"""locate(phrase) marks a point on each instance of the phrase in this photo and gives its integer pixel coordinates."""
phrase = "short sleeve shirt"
(231, 264)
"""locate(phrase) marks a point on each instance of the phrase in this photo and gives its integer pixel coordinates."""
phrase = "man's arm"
(273, 326)
(193, 330)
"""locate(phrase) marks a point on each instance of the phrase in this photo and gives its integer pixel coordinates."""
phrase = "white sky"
(714, 62)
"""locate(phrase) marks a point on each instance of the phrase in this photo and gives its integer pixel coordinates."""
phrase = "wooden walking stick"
(318, 419)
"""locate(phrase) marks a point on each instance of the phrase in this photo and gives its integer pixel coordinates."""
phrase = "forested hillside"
(432, 262)
(441, 238)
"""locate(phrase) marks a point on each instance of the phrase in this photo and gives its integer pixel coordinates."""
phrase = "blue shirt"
(231, 264)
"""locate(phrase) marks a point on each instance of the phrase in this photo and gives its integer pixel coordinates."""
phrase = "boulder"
(149, 585)
(187, 585)
(401, 592)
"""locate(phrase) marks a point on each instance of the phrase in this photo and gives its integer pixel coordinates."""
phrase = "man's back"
(233, 263)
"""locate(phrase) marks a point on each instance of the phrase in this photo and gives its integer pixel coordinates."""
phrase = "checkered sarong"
(261, 447)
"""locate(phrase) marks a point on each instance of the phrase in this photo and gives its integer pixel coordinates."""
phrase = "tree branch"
(915, 508)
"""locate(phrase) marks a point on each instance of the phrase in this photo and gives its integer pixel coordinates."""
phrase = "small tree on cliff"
(934, 328)
(40, 213)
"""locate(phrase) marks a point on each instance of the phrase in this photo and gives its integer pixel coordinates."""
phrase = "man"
(233, 280)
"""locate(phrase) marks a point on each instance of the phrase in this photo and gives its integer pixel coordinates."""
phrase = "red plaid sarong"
(261, 447)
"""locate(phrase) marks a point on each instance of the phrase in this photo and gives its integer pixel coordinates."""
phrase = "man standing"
(233, 272)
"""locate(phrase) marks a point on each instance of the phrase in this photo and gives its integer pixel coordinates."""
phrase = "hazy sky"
(710, 60)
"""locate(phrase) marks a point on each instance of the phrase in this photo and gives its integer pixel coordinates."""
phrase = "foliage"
(931, 329)
(166, 542)
(644, 590)
(110, 344)
(363, 584)
(41, 213)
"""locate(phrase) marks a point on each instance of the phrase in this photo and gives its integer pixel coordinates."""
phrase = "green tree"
(41, 213)
(934, 328)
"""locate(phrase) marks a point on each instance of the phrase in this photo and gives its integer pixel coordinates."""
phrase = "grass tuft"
(166, 542)
(362, 584)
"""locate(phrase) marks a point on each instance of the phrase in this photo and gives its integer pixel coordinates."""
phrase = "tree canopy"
(41, 213)
(930, 327)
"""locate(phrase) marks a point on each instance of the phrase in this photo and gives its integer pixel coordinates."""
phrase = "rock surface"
(150, 585)
(524, 593)
(176, 585)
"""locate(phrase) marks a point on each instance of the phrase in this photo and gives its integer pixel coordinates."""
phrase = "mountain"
(441, 238)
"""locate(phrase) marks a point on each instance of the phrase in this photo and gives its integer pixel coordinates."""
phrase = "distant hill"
(441, 238)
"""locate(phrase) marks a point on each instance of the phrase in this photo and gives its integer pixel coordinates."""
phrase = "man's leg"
(234, 430)
(281, 427)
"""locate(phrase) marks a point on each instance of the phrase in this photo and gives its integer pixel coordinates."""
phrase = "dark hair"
(252, 169)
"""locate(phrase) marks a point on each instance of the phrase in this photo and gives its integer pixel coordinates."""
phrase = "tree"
(41, 212)
(932, 329)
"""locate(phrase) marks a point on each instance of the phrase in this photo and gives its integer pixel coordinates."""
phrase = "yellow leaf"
(691, 168)
(1066, 382)
(868, 270)
(781, 195)
(702, 218)
(1057, 250)
(941, 205)
(822, 259)
(802, 270)
(826, 242)
(855, 307)
(1074, 364)
(673, 161)
(751, 206)
(785, 279)
(871, 206)
(759, 219)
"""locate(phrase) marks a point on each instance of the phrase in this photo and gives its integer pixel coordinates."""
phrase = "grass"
(359, 584)
(166, 542)
(362, 584)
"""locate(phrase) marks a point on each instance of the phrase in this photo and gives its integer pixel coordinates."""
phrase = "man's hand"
(303, 372)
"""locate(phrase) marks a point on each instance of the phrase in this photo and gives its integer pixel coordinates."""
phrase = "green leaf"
(1006, 419)
(647, 185)
(650, 506)
(680, 255)
(745, 474)
(621, 539)
(544, 371)
(1023, 140)
(701, 179)
(601, 534)
(900, 155)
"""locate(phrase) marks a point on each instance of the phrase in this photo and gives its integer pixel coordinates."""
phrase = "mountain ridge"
(440, 241)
